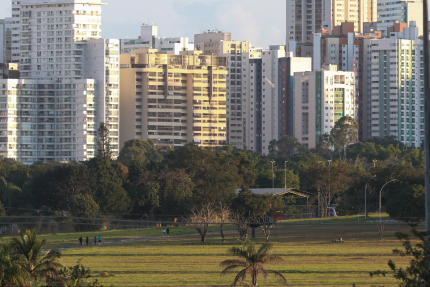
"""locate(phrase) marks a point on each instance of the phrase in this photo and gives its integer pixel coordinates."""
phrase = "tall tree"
(344, 132)
(142, 152)
(83, 205)
(286, 146)
(110, 194)
(406, 203)
(214, 174)
(58, 183)
(103, 142)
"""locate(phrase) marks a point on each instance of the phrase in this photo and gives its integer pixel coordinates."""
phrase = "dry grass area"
(311, 258)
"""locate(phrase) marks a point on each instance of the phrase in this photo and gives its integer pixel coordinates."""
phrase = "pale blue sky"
(260, 22)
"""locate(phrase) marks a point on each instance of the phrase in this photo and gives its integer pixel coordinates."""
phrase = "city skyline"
(247, 20)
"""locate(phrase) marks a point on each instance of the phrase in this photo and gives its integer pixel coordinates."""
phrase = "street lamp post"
(374, 163)
(319, 206)
(329, 175)
(380, 192)
(365, 200)
(273, 175)
(285, 175)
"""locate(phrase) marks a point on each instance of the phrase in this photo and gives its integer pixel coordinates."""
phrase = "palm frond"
(278, 276)
(233, 262)
(273, 259)
(239, 277)
(230, 268)
(263, 272)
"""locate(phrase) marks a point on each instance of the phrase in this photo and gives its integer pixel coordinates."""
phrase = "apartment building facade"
(321, 99)
(39, 120)
(349, 51)
(390, 12)
(218, 43)
(73, 77)
(269, 95)
(316, 16)
(173, 99)
(397, 85)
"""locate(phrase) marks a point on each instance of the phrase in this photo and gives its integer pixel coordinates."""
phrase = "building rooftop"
(279, 191)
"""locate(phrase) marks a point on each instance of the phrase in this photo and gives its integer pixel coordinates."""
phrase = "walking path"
(120, 241)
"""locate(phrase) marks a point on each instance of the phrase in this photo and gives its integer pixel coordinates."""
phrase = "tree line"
(155, 180)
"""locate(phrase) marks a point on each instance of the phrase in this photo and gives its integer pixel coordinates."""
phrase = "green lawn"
(311, 258)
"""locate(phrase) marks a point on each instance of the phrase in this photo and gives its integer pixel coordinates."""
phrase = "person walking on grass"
(86, 240)
(80, 241)
(100, 240)
(164, 231)
(95, 240)
(167, 231)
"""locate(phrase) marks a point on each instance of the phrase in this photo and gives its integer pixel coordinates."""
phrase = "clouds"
(240, 21)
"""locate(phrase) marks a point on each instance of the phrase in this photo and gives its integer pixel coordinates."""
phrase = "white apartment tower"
(270, 90)
(397, 99)
(69, 82)
(321, 99)
(314, 16)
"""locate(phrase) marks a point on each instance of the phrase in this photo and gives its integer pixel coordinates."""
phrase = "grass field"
(311, 258)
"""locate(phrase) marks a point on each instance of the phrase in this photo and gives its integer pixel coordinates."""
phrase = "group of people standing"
(99, 239)
(166, 231)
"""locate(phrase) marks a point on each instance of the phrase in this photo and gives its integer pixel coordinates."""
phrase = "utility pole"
(380, 192)
(285, 175)
(329, 175)
(365, 199)
(273, 175)
(427, 114)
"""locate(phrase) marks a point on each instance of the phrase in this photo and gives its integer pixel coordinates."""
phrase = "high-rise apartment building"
(315, 16)
(349, 51)
(321, 99)
(397, 85)
(287, 67)
(219, 43)
(404, 11)
(270, 91)
(53, 37)
(39, 120)
(268, 95)
(69, 82)
(173, 99)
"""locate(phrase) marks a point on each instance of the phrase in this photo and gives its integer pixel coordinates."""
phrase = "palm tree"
(38, 266)
(10, 273)
(253, 261)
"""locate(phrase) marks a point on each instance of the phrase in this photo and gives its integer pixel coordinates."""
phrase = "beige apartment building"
(219, 43)
(173, 99)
